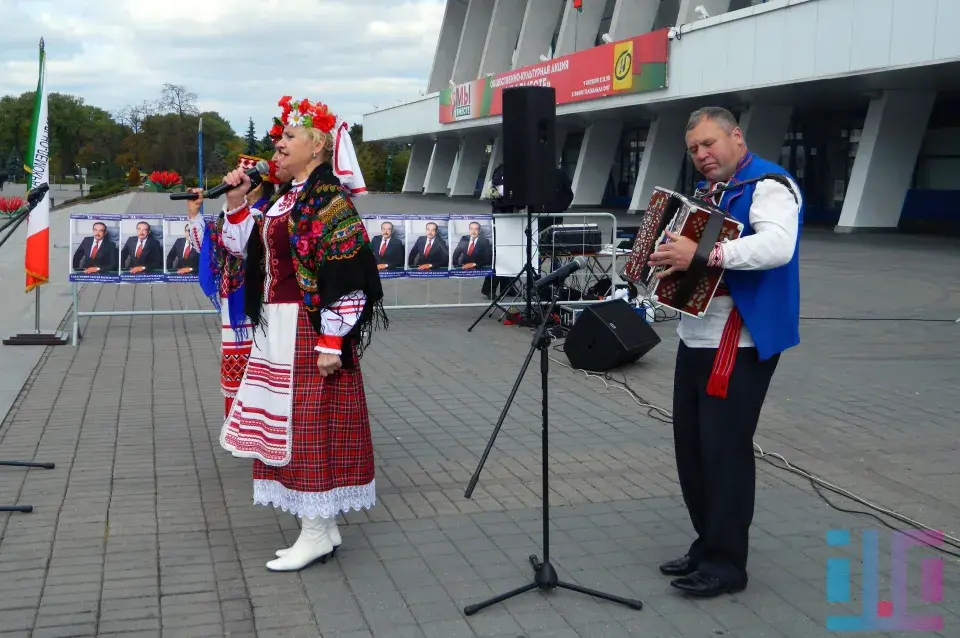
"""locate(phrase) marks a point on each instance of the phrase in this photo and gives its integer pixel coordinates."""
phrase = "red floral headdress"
(306, 113)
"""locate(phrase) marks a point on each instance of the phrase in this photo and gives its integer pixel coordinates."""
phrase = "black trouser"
(713, 438)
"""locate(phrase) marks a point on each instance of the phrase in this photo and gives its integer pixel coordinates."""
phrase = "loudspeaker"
(608, 335)
(529, 146)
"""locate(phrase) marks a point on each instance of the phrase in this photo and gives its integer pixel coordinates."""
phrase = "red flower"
(303, 247)
(317, 227)
(166, 179)
(315, 300)
(10, 205)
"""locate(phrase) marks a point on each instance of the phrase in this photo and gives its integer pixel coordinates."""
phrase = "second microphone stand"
(544, 575)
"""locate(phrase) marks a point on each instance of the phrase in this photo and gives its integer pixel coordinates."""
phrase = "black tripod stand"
(527, 318)
(33, 198)
(544, 575)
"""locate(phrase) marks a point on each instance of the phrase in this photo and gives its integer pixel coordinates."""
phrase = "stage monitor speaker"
(529, 146)
(608, 335)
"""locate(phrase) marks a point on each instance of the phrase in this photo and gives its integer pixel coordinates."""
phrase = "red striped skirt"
(234, 355)
(331, 468)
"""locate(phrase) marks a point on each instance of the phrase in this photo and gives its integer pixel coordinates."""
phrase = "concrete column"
(633, 17)
(561, 132)
(450, 31)
(892, 135)
(472, 150)
(596, 157)
(764, 127)
(713, 7)
(496, 156)
(662, 157)
(441, 163)
(502, 36)
(453, 170)
(536, 33)
(417, 167)
(466, 68)
(578, 30)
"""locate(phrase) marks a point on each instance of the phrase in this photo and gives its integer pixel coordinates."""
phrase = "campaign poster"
(428, 245)
(472, 238)
(141, 255)
(387, 241)
(95, 248)
(181, 259)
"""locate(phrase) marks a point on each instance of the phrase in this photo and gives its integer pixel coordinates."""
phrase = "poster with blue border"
(153, 248)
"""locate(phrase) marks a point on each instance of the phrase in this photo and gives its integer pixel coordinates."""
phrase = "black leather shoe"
(705, 586)
(678, 567)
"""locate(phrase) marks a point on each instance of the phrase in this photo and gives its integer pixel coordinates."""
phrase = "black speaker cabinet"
(608, 335)
(529, 146)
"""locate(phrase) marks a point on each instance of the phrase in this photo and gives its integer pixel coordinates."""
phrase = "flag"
(37, 164)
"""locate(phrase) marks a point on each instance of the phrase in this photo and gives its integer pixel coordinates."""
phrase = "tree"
(14, 165)
(253, 146)
(266, 147)
(218, 161)
(175, 98)
(356, 135)
(133, 116)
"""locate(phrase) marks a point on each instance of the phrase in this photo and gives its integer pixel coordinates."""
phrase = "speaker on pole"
(608, 335)
(529, 146)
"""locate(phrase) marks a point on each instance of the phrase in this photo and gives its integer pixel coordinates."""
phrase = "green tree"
(266, 146)
(14, 165)
(253, 146)
(218, 161)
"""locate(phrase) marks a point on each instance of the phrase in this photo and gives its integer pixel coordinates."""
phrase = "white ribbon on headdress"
(345, 164)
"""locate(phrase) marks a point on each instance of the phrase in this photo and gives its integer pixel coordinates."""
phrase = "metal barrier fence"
(556, 241)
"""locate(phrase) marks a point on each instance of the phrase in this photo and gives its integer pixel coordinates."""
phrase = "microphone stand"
(16, 219)
(544, 575)
(20, 215)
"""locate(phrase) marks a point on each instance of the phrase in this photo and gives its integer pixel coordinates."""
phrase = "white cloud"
(240, 56)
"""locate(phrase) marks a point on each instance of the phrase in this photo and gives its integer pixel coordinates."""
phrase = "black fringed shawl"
(331, 255)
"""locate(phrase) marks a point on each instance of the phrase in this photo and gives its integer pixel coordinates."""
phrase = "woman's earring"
(314, 155)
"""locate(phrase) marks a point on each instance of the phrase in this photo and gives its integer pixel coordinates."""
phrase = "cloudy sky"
(239, 56)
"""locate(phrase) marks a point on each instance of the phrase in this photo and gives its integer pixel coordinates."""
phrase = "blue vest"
(768, 300)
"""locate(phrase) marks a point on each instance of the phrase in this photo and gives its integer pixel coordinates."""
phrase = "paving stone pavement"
(146, 525)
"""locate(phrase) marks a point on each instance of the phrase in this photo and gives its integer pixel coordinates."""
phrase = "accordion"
(689, 292)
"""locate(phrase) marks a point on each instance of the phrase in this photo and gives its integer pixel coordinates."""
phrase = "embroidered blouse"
(285, 275)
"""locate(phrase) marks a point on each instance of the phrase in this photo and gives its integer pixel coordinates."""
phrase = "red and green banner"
(634, 65)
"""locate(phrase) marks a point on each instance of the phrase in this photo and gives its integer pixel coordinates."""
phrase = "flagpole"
(200, 160)
(37, 250)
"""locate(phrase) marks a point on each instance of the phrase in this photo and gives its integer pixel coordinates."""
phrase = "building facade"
(859, 99)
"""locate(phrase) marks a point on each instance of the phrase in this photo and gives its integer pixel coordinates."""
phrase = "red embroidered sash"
(727, 352)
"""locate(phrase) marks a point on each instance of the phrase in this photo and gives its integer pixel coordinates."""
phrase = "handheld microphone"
(262, 168)
(561, 273)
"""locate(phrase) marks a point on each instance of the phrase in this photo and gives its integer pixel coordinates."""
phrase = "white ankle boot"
(313, 544)
(332, 532)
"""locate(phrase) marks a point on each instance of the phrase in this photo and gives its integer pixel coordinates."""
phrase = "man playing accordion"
(726, 359)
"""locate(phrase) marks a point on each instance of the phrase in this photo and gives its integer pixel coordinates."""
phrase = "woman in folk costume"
(313, 294)
(221, 277)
